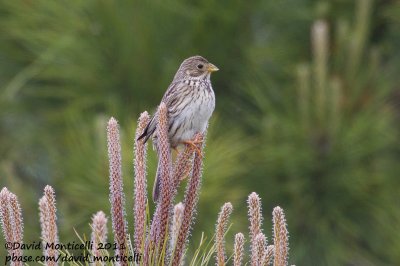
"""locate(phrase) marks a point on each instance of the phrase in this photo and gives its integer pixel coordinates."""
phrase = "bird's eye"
(200, 66)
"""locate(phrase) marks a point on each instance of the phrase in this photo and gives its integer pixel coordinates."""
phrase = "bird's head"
(195, 67)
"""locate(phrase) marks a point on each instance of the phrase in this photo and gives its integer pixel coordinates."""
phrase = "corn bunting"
(190, 101)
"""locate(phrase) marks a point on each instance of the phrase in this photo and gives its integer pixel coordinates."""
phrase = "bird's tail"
(157, 180)
(157, 184)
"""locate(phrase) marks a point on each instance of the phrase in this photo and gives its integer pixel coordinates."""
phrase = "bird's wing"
(175, 93)
(149, 129)
(174, 96)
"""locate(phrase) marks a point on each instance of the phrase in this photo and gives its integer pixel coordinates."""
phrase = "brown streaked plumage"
(190, 101)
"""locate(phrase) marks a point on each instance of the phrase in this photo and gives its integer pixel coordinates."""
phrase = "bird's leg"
(193, 144)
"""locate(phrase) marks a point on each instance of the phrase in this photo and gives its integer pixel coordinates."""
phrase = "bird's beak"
(212, 68)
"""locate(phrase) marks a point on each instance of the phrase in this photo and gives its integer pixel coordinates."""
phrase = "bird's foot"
(193, 144)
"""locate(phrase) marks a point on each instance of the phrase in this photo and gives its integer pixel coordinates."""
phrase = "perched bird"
(190, 101)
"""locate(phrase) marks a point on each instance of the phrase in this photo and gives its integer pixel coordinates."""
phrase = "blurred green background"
(308, 110)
